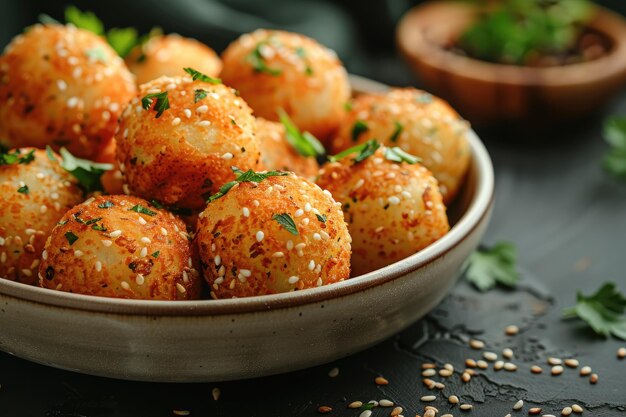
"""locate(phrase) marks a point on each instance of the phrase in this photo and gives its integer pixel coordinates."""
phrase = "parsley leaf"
(16, 157)
(304, 143)
(199, 94)
(396, 154)
(603, 311)
(122, 40)
(321, 217)
(107, 204)
(87, 173)
(197, 75)
(359, 127)
(84, 20)
(302, 55)
(99, 227)
(23, 190)
(143, 210)
(162, 102)
(248, 176)
(488, 267)
(71, 237)
(256, 59)
(614, 161)
(156, 254)
(365, 150)
(286, 222)
(397, 131)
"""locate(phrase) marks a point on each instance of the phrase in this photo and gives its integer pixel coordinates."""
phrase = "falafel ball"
(183, 154)
(168, 54)
(35, 192)
(64, 87)
(417, 122)
(392, 209)
(275, 69)
(121, 247)
(277, 235)
(278, 154)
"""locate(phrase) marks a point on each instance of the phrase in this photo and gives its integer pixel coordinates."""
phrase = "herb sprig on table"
(496, 265)
(614, 133)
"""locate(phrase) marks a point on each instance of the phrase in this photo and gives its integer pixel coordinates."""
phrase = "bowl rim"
(416, 47)
(478, 208)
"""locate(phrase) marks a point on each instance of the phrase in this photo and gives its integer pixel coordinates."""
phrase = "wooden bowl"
(487, 93)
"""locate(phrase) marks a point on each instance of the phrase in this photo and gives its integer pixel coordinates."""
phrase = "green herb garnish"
(162, 102)
(256, 59)
(321, 217)
(497, 265)
(302, 55)
(99, 227)
(16, 157)
(122, 40)
(241, 176)
(359, 127)
(396, 154)
(143, 210)
(304, 143)
(365, 150)
(286, 222)
(71, 237)
(156, 254)
(107, 204)
(92, 221)
(197, 75)
(96, 54)
(87, 173)
(396, 132)
(614, 161)
(23, 189)
(84, 20)
(603, 311)
(199, 94)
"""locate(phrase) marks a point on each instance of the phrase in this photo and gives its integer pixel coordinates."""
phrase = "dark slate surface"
(568, 221)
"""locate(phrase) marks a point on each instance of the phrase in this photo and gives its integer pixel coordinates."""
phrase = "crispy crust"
(431, 129)
(392, 210)
(238, 261)
(187, 153)
(122, 261)
(314, 99)
(26, 219)
(62, 86)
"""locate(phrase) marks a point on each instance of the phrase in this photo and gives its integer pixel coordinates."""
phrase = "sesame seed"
(534, 410)
(393, 200)
(72, 102)
(548, 415)
(621, 353)
(366, 413)
(246, 212)
(428, 398)
(572, 363)
(245, 272)
(466, 407)
(355, 404)
(585, 370)
(98, 266)
(115, 233)
(307, 207)
(518, 405)
(445, 372)
(181, 412)
(593, 379)
(396, 412)
(319, 282)
(289, 245)
(44, 255)
(227, 156)
(298, 213)
(324, 409)
(466, 377)
(385, 403)
(204, 123)
(428, 366)
(439, 385)
(30, 231)
(470, 363)
(566, 411)
(507, 353)
(3, 257)
(511, 330)
(217, 260)
(106, 243)
(305, 221)
(278, 255)
(202, 109)
(143, 222)
(333, 373)
(511, 367)
(556, 370)
(293, 279)
(536, 369)
(429, 372)
(180, 288)
(144, 252)
(215, 392)
(577, 409)
(311, 265)
(453, 399)
(554, 361)
(139, 279)
(27, 272)
(163, 231)
(482, 364)
(490, 356)
(125, 285)
(498, 365)
(300, 246)
(259, 236)
(78, 253)
(430, 413)
(176, 121)
(187, 113)
(476, 344)
(62, 85)
(317, 236)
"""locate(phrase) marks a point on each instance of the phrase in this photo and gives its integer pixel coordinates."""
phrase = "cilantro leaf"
(71, 237)
(396, 154)
(397, 131)
(162, 102)
(359, 127)
(199, 94)
(304, 143)
(84, 20)
(197, 75)
(241, 176)
(143, 210)
(87, 173)
(614, 133)
(286, 222)
(488, 267)
(122, 40)
(16, 157)
(603, 311)
(364, 150)
(256, 59)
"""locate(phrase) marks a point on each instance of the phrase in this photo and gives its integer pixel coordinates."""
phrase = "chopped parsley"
(199, 94)
(84, 20)
(23, 189)
(396, 154)
(197, 75)
(302, 55)
(99, 227)
(256, 59)
(364, 150)
(143, 210)
(87, 173)
(603, 311)
(71, 237)
(107, 204)
(156, 254)
(96, 54)
(397, 131)
(157, 204)
(286, 222)
(16, 157)
(304, 143)
(496, 265)
(162, 102)
(122, 40)
(92, 221)
(614, 161)
(321, 217)
(359, 127)
(248, 176)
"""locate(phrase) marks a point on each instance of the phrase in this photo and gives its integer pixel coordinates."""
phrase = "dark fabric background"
(362, 32)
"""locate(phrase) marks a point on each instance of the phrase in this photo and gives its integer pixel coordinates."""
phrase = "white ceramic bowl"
(212, 340)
